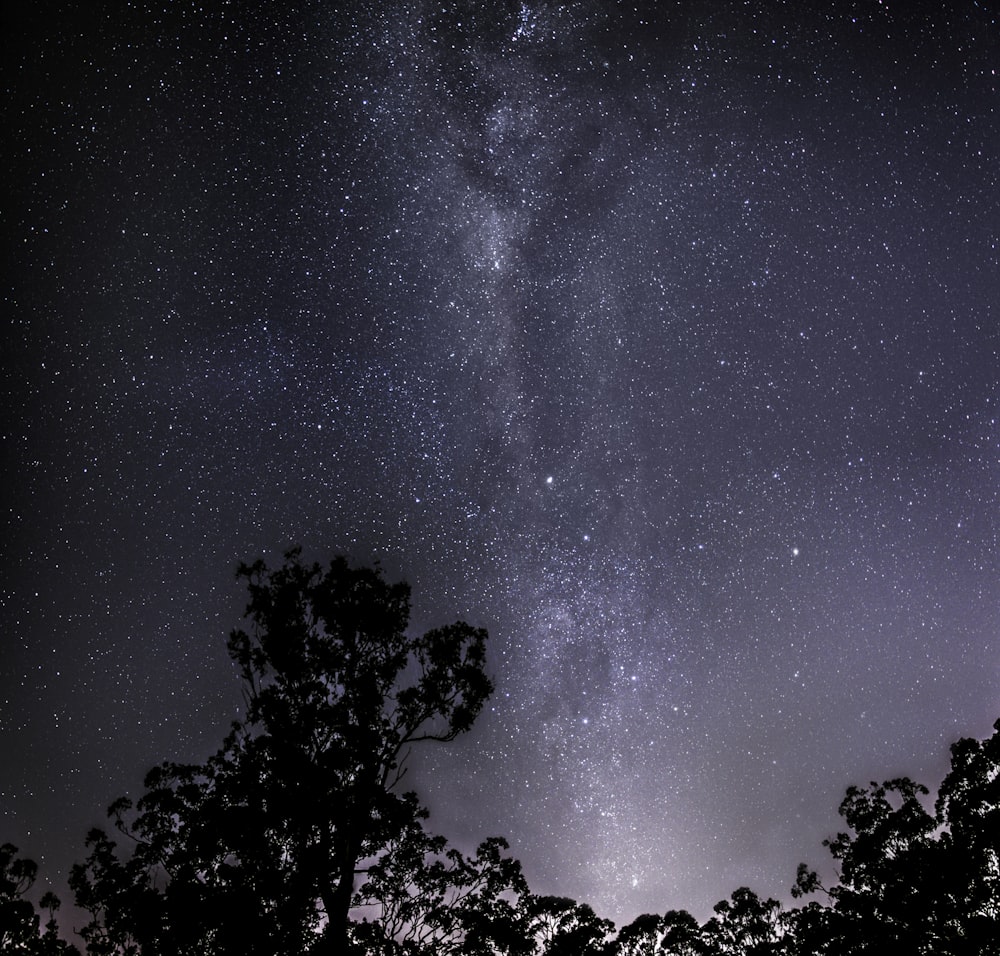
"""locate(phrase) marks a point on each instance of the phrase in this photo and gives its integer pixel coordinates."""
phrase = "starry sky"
(659, 339)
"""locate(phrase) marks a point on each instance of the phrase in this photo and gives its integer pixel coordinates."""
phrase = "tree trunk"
(337, 903)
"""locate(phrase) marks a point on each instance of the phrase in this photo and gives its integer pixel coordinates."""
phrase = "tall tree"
(968, 873)
(676, 933)
(885, 899)
(19, 921)
(258, 850)
(558, 926)
(745, 925)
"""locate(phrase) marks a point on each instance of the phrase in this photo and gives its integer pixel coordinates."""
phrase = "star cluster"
(660, 340)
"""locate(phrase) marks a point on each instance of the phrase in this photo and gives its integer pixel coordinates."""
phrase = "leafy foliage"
(295, 838)
(745, 925)
(257, 850)
(558, 926)
(911, 881)
(675, 933)
(421, 896)
(19, 920)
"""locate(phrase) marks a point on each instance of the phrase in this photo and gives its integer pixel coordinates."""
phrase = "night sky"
(663, 343)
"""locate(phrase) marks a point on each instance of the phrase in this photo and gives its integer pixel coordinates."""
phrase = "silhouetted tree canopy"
(258, 849)
(295, 837)
(909, 880)
(20, 923)
(421, 896)
(558, 926)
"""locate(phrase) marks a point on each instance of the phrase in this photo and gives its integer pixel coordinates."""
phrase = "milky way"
(662, 343)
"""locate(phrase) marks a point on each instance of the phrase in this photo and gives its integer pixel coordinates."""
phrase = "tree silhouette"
(886, 898)
(295, 837)
(908, 880)
(745, 925)
(641, 937)
(258, 849)
(422, 897)
(676, 933)
(19, 921)
(911, 881)
(557, 926)
(969, 866)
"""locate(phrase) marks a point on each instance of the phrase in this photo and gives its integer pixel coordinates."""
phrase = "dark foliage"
(294, 837)
(420, 896)
(20, 922)
(909, 880)
(257, 850)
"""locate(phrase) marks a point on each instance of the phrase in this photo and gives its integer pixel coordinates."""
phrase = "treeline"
(296, 837)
